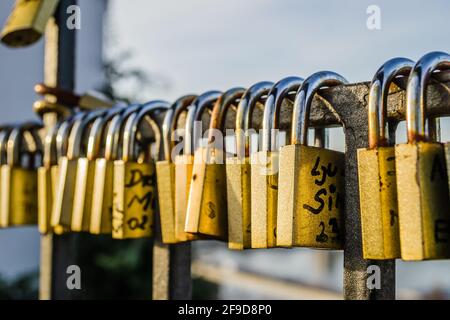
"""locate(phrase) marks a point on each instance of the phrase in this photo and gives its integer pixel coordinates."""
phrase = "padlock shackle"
(133, 123)
(220, 110)
(195, 111)
(77, 133)
(16, 138)
(62, 137)
(378, 94)
(272, 108)
(98, 130)
(114, 130)
(244, 115)
(170, 121)
(303, 101)
(4, 135)
(50, 156)
(416, 99)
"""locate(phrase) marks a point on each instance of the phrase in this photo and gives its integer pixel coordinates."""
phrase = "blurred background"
(144, 49)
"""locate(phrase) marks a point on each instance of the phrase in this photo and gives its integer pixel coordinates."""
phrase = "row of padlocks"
(108, 171)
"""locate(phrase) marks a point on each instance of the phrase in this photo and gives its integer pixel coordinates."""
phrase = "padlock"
(19, 177)
(135, 196)
(376, 170)
(27, 22)
(422, 188)
(62, 210)
(47, 178)
(184, 162)
(85, 172)
(165, 170)
(264, 168)
(207, 204)
(311, 179)
(102, 203)
(238, 169)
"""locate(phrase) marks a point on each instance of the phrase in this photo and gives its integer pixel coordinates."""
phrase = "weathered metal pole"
(57, 252)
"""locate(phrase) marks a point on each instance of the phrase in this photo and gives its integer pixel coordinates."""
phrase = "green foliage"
(24, 287)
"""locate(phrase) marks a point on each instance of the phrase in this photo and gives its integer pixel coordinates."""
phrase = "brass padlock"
(184, 162)
(69, 137)
(27, 22)
(422, 188)
(85, 172)
(135, 179)
(165, 170)
(102, 204)
(238, 169)
(47, 179)
(19, 177)
(376, 170)
(311, 179)
(207, 204)
(264, 168)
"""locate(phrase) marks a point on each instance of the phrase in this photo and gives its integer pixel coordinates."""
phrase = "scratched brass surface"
(82, 204)
(183, 173)
(207, 203)
(423, 201)
(19, 196)
(310, 197)
(63, 203)
(165, 173)
(102, 199)
(238, 203)
(134, 199)
(378, 201)
(264, 195)
(47, 178)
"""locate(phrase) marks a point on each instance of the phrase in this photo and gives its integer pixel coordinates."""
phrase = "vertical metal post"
(59, 70)
(353, 114)
(171, 270)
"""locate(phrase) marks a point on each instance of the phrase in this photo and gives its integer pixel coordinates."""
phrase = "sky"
(198, 45)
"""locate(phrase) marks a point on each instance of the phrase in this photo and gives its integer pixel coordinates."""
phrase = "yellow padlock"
(69, 132)
(422, 188)
(4, 134)
(207, 204)
(376, 170)
(184, 162)
(264, 168)
(19, 177)
(102, 193)
(165, 170)
(27, 22)
(238, 169)
(47, 177)
(311, 179)
(135, 196)
(85, 172)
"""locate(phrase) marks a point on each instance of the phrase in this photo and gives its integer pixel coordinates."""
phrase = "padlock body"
(82, 204)
(183, 173)
(27, 21)
(238, 202)
(64, 196)
(311, 197)
(102, 197)
(165, 173)
(423, 201)
(264, 197)
(207, 204)
(19, 196)
(134, 199)
(378, 203)
(47, 179)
